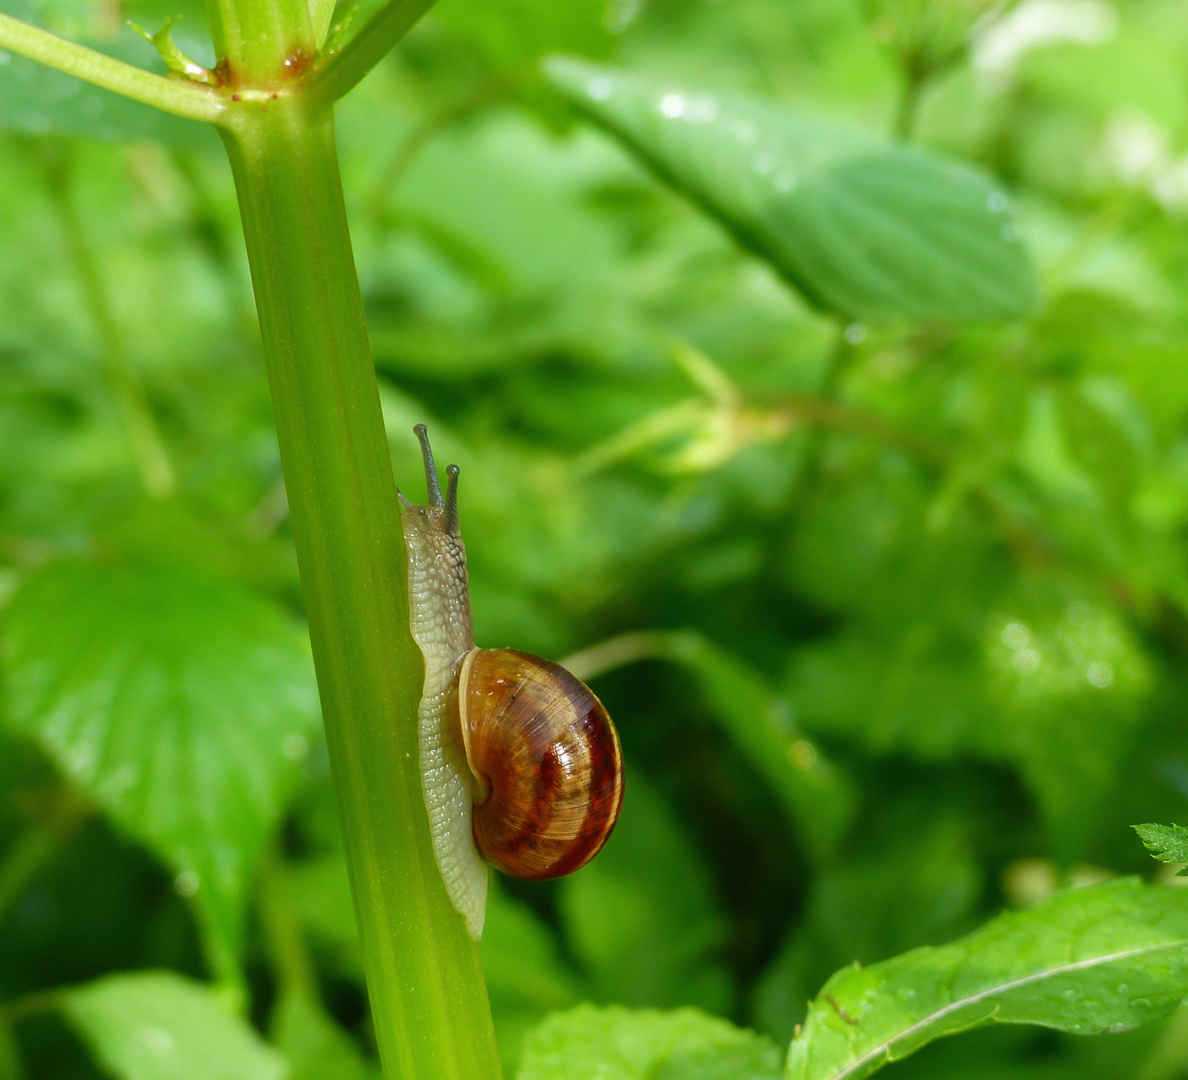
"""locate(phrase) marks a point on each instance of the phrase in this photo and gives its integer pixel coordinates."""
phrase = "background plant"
(853, 475)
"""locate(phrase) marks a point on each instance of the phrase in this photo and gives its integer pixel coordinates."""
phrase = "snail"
(520, 763)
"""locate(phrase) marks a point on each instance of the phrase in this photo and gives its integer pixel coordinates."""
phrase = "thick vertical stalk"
(261, 42)
(425, 981)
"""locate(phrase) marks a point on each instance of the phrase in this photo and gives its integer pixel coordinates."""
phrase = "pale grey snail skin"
(520, 763)
(441, 624)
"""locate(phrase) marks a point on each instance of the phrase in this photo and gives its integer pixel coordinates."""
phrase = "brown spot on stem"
(298, 59)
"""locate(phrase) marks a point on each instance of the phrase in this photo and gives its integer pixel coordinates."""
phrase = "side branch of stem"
(171, 95)
(346, 69)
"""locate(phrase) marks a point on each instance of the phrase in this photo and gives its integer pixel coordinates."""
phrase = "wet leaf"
(156, 1025)
(1086, 961)
(620, 1044)
(182, 705)
(861, 227)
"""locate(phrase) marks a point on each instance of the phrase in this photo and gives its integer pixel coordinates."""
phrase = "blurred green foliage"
(856, 471)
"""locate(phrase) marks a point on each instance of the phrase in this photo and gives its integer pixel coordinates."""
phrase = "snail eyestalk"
(450, 522)
(431, 482)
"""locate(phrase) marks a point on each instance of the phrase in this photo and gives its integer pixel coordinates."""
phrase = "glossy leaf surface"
(181, 705)
(1087, 961)
(861, 227)
(620, 1044)
(157, 1025)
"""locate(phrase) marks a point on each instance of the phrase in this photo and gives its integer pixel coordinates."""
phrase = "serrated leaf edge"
(884, 1049)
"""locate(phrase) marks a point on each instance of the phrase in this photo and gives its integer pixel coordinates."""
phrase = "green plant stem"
(176, 96)
(321, 16)
(915, 76)
(836, 367)
(629, 648)
(428, 995)
(147, 446)
(263, 43)
(345, 70)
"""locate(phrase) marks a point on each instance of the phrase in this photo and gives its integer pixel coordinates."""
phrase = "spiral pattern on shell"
(547, 760)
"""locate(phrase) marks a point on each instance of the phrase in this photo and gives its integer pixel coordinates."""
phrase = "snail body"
(520, 763)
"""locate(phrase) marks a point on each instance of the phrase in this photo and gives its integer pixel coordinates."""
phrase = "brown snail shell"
(546, 759)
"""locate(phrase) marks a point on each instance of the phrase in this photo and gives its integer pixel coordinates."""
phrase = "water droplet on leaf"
(672, 105)
(186, 883)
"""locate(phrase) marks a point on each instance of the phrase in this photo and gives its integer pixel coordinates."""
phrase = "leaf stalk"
(178, 96)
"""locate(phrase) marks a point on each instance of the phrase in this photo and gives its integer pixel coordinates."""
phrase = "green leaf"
(519, 31)
(588, 1043)
(37, 100)
(643, 918)
(819, 798)
(1035, 667)
(315, 1047)
(1167, 843)
(176, 60)
(913, 880)
(862, 227)
(1086, 961)
(182, 705)
(520, 958)
(526, 978)
(156, 1025)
